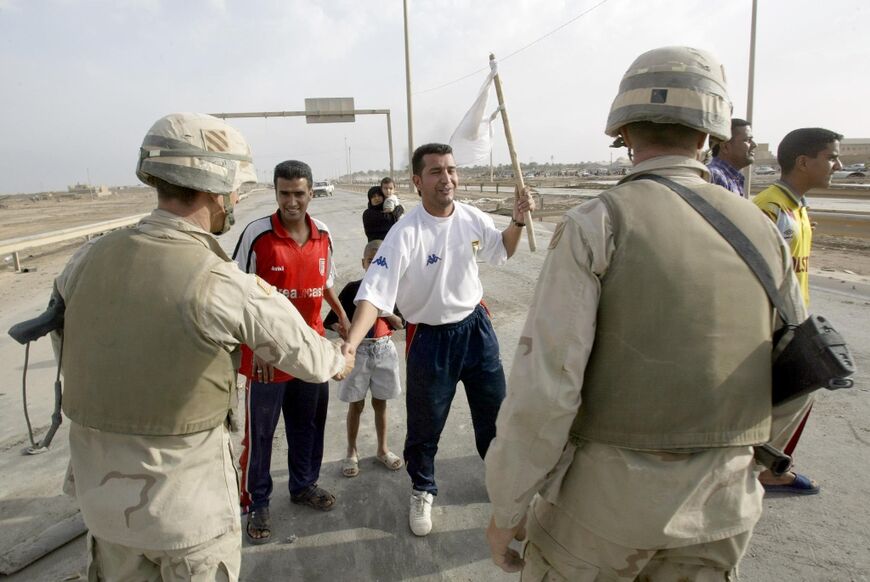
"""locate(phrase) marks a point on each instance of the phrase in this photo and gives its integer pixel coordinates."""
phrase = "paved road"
(366, 537)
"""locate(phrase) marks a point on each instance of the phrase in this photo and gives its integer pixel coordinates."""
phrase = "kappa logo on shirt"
(432, 259)
(381, 262)
(321, 265)
(278, 268)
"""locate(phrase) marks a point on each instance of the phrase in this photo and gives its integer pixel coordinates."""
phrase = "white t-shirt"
(427, 265)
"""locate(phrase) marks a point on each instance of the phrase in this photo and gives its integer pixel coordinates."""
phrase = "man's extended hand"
(499, 540)
(349, 359)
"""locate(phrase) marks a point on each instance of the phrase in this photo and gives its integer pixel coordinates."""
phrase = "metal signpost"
(324, 110)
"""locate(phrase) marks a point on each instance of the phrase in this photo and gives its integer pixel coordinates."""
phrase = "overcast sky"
(82, 80)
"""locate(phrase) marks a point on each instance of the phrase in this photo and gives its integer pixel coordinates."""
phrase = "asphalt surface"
(366, 537)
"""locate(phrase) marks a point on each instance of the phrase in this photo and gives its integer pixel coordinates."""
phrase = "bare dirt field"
(28, 215)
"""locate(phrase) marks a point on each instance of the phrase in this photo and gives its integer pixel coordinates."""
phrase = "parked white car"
(850, 173)
(323, 189)
(764, 171)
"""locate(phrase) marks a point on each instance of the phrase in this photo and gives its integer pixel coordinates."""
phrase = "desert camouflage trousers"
(559, 550)
(216, 560)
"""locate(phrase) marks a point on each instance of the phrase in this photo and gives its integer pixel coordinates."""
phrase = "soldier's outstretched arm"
(244, 309)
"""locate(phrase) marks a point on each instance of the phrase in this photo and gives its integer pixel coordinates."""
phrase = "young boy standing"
(376, 369)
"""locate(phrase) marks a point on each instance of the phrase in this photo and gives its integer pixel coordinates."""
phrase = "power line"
(516, 52)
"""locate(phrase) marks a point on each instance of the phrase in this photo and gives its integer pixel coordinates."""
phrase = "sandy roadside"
(24, 216)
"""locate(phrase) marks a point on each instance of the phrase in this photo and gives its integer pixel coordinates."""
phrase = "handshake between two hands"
(349, 354)
(265, 372)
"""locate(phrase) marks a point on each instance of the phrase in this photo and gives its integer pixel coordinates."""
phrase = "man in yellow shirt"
(808, 158)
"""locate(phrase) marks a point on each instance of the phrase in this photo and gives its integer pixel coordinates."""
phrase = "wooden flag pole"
(518, 173)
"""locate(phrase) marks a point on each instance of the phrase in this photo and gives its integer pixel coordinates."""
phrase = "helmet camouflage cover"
(680, 85)
(196, 151)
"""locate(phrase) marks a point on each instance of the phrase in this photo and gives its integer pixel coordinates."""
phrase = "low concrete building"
(763, 155)
(98, 191)
(855, 151)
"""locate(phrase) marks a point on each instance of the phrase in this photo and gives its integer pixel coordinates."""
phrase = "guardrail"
(14, 245)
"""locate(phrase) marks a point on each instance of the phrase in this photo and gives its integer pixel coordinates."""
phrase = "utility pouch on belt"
(806, 356)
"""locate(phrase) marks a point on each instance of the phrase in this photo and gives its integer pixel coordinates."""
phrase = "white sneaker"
(420, 516)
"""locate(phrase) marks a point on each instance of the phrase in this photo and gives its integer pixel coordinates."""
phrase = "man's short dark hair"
(807, 141)
(736, 123)
(167, 191)
(387, 180)
(293, 170)
(670, 135)
(441, 149)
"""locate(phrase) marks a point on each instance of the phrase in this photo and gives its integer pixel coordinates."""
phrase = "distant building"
(854, 151)
(99, 191)
(763, 155)
(623, 162)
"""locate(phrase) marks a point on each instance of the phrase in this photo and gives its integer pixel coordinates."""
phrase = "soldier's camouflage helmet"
(196, 151)
(679, 85)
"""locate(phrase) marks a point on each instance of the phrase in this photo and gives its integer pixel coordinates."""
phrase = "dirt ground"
(849, 257)
(30, 215)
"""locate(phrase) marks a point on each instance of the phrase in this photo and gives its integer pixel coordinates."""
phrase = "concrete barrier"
(15, 245)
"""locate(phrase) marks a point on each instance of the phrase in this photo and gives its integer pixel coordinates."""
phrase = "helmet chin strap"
(229, 215)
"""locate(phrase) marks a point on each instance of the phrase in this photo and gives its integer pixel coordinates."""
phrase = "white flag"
(472, 140)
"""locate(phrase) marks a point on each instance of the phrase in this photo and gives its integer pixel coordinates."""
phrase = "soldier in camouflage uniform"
(643, 375)
(154, 319)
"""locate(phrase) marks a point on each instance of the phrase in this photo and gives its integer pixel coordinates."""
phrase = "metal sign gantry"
(329, 110)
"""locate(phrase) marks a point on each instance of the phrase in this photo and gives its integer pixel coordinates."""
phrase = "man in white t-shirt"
(427, 266)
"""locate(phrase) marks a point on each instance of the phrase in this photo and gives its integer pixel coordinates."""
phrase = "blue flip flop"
(802, 485)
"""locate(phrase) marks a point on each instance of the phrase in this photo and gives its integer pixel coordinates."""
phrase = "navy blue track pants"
(304, 407)
(438, 357)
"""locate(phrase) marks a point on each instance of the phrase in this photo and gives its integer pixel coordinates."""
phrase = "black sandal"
(260, 523)
(315, 497)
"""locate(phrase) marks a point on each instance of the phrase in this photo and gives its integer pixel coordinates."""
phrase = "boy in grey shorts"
(376, 369)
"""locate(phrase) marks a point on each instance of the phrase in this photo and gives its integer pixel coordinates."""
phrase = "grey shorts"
(376, 368)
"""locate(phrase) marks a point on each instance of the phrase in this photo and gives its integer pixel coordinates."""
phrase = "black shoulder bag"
(806, 356)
